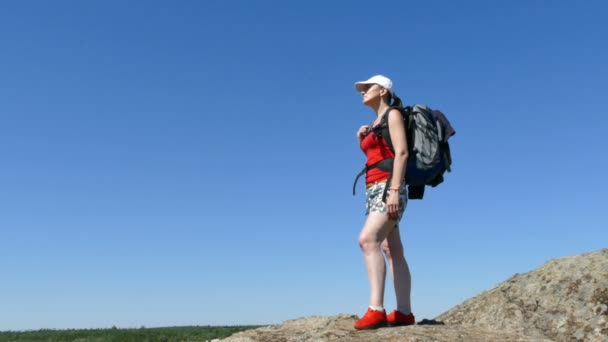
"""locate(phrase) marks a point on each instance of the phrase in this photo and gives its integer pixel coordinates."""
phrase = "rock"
(566, 299)
(340, 328)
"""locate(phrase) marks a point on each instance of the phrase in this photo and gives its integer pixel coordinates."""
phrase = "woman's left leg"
(399, 269)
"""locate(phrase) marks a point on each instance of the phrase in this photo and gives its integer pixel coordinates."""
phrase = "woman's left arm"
(398, 134)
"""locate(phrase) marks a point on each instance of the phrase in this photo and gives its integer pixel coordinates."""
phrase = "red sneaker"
(396, 318)
(371, 320)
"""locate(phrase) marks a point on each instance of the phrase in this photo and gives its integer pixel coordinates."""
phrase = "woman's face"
(372, 93)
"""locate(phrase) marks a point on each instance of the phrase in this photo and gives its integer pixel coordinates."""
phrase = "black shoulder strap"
(384, 129)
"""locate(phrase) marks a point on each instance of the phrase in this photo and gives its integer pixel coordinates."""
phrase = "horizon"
(191, 164)
(262, 324)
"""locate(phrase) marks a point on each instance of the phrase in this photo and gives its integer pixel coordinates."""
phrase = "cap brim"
(359, 86)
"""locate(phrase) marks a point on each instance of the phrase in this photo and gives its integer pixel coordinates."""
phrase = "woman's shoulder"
(396, 111)
(395, 114)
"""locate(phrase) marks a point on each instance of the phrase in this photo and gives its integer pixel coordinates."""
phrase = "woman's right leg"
(399, 270)
(376, 229)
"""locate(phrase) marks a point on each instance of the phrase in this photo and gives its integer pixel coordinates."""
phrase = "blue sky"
(191, 163)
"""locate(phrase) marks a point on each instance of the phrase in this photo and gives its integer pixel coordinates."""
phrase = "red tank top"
(375, 149)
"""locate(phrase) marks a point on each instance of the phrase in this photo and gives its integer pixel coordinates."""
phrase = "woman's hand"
(392, 205)
(361, 132)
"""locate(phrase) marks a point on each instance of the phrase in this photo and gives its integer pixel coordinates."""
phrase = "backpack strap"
(384, 129)
(361, 173)
(384, 165)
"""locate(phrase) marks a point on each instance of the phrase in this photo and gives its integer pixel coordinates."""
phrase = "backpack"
(429, 158)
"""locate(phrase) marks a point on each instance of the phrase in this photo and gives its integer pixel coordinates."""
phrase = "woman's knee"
(368, 242)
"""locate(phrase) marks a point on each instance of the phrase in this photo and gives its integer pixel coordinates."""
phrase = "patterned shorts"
(374, 201)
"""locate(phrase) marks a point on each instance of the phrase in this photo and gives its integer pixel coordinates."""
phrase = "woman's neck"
(381, 109)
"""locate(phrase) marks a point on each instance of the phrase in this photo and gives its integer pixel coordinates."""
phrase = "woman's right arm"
(361, 133)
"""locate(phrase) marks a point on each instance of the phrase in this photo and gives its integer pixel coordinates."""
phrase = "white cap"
(383, 81)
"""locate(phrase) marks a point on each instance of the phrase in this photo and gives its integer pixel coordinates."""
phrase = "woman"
(380, 232)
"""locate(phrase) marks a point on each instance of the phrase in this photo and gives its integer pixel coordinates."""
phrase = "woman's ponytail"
(396, 101)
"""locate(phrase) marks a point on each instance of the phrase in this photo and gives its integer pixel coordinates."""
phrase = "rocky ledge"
(565, 299)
